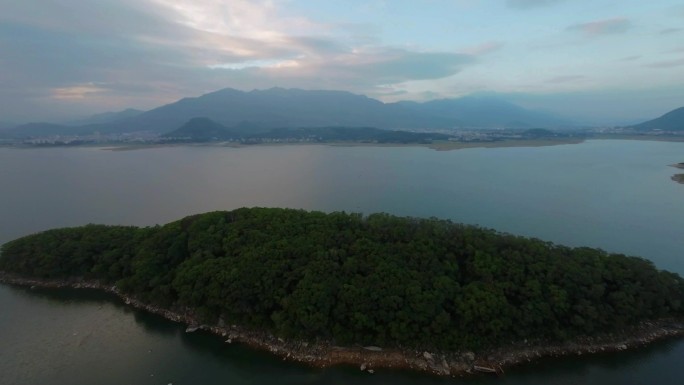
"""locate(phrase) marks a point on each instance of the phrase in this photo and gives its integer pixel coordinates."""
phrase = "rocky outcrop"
(370, 358)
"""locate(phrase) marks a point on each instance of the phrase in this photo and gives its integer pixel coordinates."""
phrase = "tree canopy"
(347, 278)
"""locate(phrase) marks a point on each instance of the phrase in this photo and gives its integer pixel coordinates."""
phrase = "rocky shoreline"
(371, 358)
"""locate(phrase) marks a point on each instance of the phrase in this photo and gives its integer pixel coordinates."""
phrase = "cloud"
(602, 27)
(631, 58)
(526, 4)
(566, 79)
(666, 64)
(484, 48)
(668, 31)
(363, 71)
(76, 91)
(143, 53)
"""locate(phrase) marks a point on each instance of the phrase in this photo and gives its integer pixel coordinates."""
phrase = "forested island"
(376, 290)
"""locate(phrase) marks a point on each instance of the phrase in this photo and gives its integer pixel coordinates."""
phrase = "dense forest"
(348, 278)
(206, 130)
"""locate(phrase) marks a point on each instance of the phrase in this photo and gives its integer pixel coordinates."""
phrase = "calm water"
(616, 195)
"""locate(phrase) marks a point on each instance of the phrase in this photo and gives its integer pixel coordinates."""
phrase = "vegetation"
(380, 279)
(206, 130)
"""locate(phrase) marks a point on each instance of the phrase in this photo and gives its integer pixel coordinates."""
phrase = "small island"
(679, 178)
(376, 291)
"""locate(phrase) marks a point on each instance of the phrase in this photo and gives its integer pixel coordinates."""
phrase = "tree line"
(348, 278)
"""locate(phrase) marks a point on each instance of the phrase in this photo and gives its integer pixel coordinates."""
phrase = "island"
(679, 178)
(376, 291)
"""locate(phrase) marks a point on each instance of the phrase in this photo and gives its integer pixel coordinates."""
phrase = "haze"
(600, 62)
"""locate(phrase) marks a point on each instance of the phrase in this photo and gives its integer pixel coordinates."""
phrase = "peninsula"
(375, 291)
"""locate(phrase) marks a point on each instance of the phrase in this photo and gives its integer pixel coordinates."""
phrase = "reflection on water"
(140, 348)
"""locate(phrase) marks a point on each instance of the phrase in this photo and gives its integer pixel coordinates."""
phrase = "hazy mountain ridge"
(278, 108)
(201, 129)
(107, 117)
(670, 121)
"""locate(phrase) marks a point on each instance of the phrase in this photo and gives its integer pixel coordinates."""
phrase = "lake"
(616, 195)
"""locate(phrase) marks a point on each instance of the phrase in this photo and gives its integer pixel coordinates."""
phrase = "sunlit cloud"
(76, 92)
(256, 64)
(603, 27)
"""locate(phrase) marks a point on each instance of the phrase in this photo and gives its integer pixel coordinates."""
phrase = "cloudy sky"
(600, 60)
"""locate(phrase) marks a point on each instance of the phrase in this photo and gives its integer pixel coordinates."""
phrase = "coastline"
(438, 146)
(324, 354)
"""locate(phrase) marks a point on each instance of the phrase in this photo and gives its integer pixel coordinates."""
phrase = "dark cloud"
(81, 57)
(668, 31)
(602, 27)
(394, 66)
(666, 64)
(365, 72)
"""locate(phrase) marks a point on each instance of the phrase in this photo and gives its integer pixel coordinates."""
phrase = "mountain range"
(205, 129)
(107, 117)
(263, 110)
(671, 121)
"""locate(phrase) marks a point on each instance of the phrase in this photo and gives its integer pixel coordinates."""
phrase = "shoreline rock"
(371, 358)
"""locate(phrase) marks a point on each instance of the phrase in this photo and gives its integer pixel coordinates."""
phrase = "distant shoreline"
(438, 146)
(324, 354)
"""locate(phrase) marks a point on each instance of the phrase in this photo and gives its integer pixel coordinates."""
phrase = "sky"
(599, 61)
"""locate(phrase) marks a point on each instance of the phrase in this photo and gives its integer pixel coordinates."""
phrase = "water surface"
(616, 195)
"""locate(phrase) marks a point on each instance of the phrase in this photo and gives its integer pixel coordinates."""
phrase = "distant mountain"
(487, 112)
(107, 117)
(201, 129)
(671, 121)
(278, 107)
(38, 129)
(205, 129)
(263, 110)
